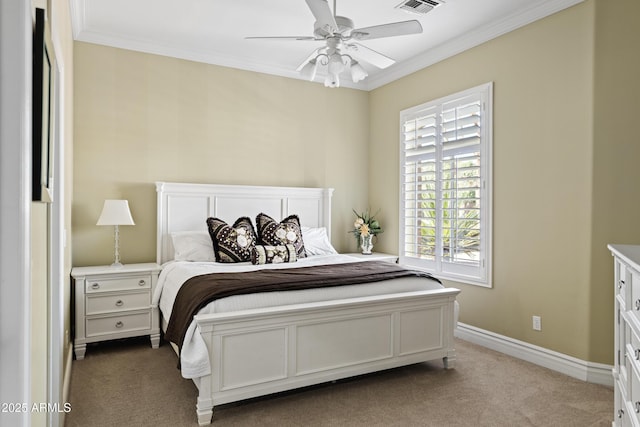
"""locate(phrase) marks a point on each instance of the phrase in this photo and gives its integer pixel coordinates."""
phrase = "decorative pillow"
(192, 246)
(285, 232)
(232, 243)
(273, 254)
(316, 241)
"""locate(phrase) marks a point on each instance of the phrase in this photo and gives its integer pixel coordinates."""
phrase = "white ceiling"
(214, 31)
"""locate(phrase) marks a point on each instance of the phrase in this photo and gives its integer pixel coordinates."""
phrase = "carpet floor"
(126, 383)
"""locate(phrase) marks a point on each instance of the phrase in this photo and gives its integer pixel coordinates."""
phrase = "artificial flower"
(365, 224)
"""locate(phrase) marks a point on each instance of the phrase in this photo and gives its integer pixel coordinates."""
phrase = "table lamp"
(116, 213)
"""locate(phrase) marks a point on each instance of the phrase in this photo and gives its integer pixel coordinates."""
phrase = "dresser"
(626, 371)
(114, 302)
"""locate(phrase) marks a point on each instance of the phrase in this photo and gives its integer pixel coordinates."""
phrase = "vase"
(366, 244)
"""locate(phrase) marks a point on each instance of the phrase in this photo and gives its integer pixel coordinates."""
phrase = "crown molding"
(469, 40)
(213, 58)
(78, 21)
(439, 53)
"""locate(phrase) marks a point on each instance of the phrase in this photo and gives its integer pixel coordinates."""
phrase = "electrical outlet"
(537, 323)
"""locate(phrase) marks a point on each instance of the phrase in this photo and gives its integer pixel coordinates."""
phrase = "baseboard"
(596, 373)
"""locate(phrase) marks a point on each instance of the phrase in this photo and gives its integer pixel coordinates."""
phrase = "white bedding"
(194, 358)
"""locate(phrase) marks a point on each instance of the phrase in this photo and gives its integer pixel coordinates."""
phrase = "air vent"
(419, 6)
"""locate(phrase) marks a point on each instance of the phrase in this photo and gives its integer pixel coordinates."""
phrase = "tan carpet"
(126, 383)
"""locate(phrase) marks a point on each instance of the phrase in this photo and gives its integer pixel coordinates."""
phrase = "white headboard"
(186, 207)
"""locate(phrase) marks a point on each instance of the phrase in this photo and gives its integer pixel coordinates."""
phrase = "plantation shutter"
(420, 183)
(444, 170)
(460, 177)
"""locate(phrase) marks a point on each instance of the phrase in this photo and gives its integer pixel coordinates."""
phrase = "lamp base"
(116, 260)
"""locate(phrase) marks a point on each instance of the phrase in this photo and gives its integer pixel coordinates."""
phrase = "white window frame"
(476, 275)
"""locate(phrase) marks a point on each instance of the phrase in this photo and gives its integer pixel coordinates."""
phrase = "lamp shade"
(115, 212)
(357, 72)
(336, 64)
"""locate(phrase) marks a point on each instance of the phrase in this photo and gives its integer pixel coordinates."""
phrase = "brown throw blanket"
(198, 291)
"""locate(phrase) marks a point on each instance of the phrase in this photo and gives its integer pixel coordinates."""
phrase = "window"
(445, 178)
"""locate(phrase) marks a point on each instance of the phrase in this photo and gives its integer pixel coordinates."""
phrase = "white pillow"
(192, 246)
(316, 241)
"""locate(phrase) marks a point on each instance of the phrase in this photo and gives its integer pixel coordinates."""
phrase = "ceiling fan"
(341, 50)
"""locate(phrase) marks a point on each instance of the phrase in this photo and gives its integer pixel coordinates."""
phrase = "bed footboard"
(263, 351)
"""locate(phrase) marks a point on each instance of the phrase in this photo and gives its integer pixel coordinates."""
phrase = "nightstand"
(115, 302)
(375, 256)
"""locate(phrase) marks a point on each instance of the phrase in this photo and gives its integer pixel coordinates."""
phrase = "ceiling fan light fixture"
(333, 64)
(336, 64)
(357, 72)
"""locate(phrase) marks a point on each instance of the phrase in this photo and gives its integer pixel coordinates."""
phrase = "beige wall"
(616, 175)
(142, 118)
(543, 95)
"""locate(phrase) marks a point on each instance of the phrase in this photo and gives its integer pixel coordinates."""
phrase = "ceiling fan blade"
(387, 30)
(324, 16)
(369, 55)
(284, 38)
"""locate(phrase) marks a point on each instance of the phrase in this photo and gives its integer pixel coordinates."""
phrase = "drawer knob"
(620, 284)
(620, 413)
(119, 324)
(637, 353)
(119, 303)
(637, 407)
(638, 304)
(142, 283)
(95, 286)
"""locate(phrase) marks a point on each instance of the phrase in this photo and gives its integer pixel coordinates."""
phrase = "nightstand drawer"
(101, 303)
(116, 324)
(119, 284)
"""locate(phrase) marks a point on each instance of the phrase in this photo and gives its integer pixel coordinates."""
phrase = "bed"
(244, 346)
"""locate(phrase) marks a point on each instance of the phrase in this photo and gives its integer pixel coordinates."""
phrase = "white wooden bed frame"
(262, 351)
